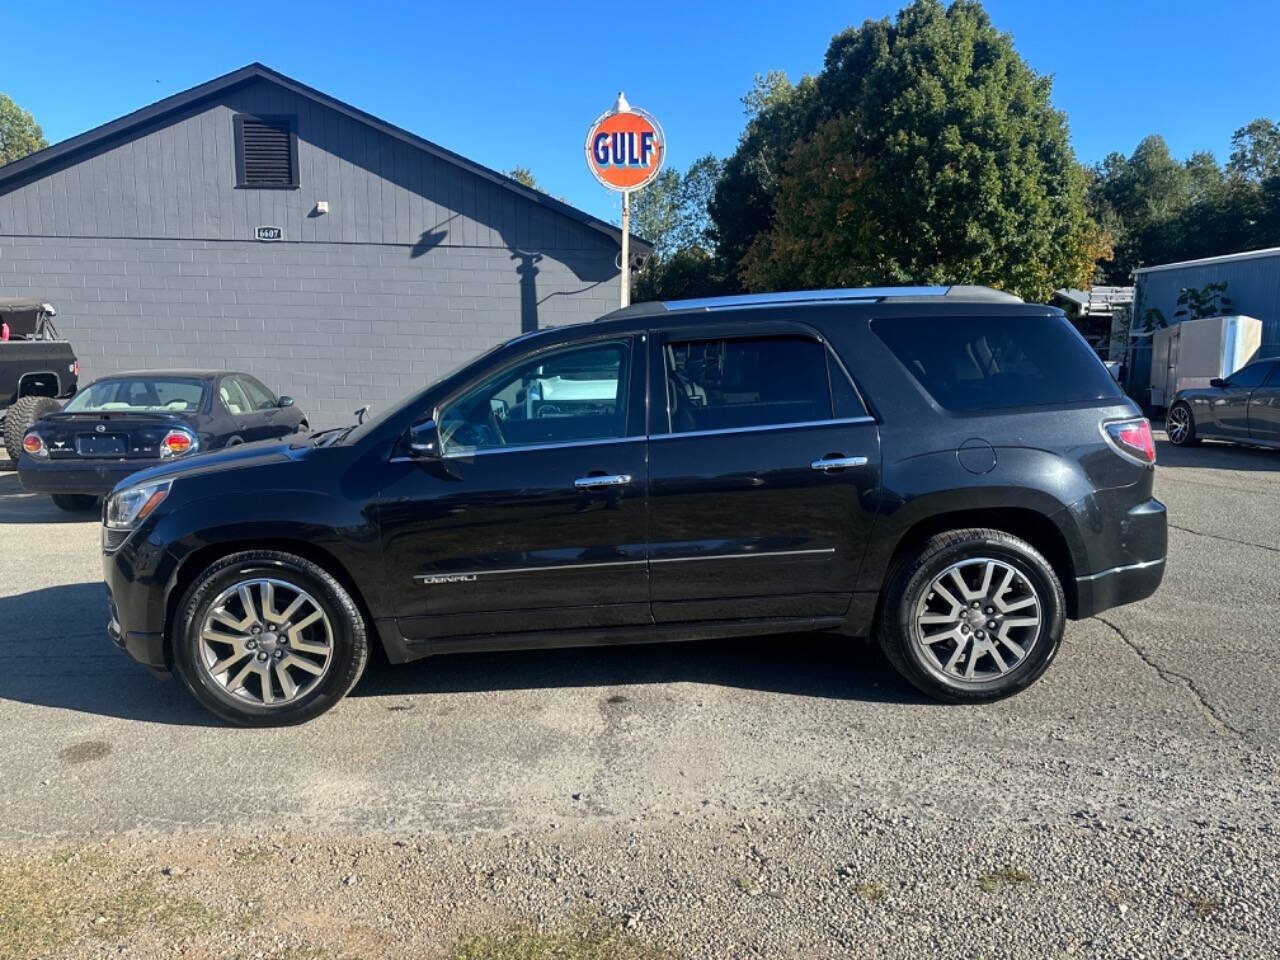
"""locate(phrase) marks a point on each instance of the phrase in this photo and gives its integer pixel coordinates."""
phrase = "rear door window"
(982, 363)
(745, 382)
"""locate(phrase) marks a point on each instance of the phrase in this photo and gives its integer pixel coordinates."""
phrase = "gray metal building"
(1253, 286)
(255, 223)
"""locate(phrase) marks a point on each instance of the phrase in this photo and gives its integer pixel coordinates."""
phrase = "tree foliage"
(673, 214)
(523, 176)
(19, 132)
(925, 151)
(1160, 209)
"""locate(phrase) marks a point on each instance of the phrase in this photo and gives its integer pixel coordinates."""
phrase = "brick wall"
(334, 325)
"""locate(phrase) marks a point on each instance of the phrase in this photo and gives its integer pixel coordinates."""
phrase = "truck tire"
(18, 420)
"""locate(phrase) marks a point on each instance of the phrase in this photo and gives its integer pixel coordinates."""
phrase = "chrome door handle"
(838, 463)
(615, 480)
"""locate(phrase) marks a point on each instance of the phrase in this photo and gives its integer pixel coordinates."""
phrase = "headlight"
(130, 506)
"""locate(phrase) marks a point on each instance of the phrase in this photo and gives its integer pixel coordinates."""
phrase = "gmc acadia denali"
(946, 469)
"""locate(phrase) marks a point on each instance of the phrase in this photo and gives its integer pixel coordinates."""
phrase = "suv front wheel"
(268, 638)
(974, 615)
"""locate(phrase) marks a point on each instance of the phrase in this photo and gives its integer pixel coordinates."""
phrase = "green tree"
(1255, 151)
(673, 214)
(523, 176)
(19, 132)
(935, 156)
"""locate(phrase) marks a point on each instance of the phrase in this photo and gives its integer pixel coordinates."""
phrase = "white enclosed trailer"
(1191, 353)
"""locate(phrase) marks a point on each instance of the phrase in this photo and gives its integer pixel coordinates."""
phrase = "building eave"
(29, 167)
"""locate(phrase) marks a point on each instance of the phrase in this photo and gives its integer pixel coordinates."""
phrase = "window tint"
(977, 363)
(1251, 375)
(561, 396)
(181, 396)
(727, 384)
(258, 395)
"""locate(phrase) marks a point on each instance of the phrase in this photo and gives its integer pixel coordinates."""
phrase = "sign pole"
(626, 248)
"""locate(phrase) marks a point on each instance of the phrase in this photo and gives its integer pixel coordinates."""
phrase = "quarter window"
(568, 395)
(747, 382)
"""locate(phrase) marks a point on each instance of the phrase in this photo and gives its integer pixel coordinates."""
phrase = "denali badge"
(429, 579)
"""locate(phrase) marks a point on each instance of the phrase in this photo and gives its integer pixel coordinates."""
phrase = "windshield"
(139, 395)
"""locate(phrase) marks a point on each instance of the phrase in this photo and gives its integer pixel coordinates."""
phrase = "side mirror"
(1218, 382)
(285, 402)
(424, 441)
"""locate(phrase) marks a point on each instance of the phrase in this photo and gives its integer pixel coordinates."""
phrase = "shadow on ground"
(19, 506)
(54, 652)
(1213, 454)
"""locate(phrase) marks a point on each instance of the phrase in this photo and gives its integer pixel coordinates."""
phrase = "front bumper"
(76, 476)
(136, 599)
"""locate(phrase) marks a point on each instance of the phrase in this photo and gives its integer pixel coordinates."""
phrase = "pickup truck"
(37, 368)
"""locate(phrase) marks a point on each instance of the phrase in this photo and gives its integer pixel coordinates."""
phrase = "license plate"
(102, 445)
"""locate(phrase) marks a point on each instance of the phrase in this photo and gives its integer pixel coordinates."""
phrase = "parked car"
(949, 470)
(1242, 408)
(37, 368)
(127, 422)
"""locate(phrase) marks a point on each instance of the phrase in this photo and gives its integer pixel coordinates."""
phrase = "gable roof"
(23, 169)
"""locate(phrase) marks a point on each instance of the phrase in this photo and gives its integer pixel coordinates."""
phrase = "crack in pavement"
(1174, 678)
(1216, 536)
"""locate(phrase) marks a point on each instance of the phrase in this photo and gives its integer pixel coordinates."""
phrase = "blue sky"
(518, 83)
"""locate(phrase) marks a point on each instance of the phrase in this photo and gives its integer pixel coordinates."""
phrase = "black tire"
(1187, 437)
(909, 584)
(350, 646)
(21, 414)
(75, 502)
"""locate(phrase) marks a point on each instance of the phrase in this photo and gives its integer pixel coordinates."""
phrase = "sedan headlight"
(129, 507)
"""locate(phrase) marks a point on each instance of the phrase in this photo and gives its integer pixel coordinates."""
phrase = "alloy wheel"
(265, 641)
(1178, 425)
(978, 620)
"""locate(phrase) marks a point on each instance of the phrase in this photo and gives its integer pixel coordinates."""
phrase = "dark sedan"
(130, 421)
(1242, 408)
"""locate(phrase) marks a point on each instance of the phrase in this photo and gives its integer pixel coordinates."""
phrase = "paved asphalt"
(1162, 714)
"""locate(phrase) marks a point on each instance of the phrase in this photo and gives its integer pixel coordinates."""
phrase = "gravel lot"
(748, 798)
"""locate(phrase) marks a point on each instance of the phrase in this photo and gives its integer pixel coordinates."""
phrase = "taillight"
(1133, 438)
(75, 368)
(34, 445)
(176, 443)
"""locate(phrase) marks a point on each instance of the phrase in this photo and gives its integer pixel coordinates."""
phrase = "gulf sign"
(625, 150)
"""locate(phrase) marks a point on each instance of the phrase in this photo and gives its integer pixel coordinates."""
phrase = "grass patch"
(1203, 907)
(252, 854)
(47, 903)
(524, 943)
(1006, 876)
(871, 891)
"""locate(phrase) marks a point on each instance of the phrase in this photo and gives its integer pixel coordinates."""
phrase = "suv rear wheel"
(974, 615)
(269, 638)
(22, 413)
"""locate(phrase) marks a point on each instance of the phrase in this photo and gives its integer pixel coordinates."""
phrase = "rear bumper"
(76, 476)
(1137, 558)
(1118, 586)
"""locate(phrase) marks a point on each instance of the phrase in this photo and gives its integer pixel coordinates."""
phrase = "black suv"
(947, 469)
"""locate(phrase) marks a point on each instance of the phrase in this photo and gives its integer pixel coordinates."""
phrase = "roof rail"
(957, 293)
